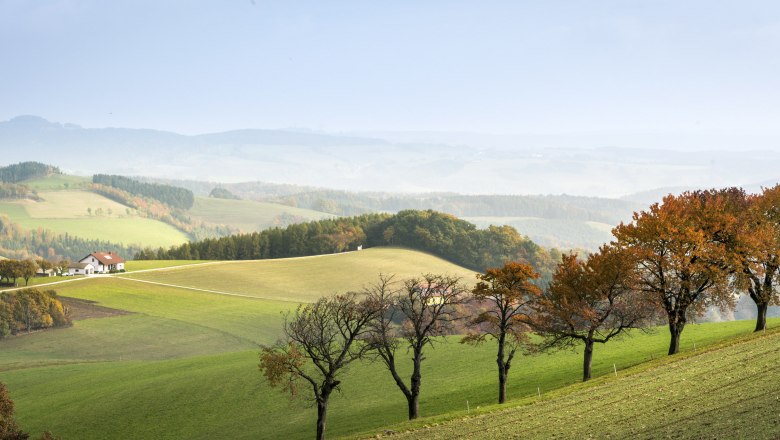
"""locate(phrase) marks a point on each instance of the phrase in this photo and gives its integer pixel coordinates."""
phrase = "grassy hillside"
(729, 392)
(182, 363)
(305, 278)
(58, 181)
(66, 211)
(250, 216)
(560, 233)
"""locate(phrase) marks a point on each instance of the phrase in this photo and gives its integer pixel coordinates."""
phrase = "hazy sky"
(542, 66)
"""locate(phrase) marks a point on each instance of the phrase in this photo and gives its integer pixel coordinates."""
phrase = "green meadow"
(57, 182)
(560, 233)
(248, 215)
(182, 363)
(731, 391)
(306, 278)
(66, 211)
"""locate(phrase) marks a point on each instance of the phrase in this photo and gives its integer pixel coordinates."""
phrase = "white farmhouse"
(104, 262)
(81, 269)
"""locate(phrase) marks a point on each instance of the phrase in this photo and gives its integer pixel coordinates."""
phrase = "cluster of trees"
(19, 243)
(441, 234)
(170, 195)
(26, 170)
(17, 269)
(17, 191)
(30, 309)
(221, 193)
(673, 261)
(313, 238)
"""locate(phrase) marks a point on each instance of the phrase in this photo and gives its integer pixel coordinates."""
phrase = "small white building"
(81, 269)
(104, 262)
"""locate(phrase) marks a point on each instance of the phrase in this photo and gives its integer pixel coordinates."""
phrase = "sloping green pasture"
(306, 278)
(249, 215)
(183, 363)
(560, 233)
(58, 181)
(730, 392)
(66, 212)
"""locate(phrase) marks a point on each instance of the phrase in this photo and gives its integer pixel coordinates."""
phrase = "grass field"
(730, 392)
(249, 216)
(554, 232)
(183, 363)
(135, 265)
(60, 181)
(306, 278)
(66, 212)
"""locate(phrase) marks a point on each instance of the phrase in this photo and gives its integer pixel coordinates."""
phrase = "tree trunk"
(414, 398)
(761, 318)
(322, 412)
(675, 330)
(587, 361)
(502, 371)
(502, 374)
(413, 403)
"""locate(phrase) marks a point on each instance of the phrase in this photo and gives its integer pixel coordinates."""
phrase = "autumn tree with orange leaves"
(507, 293)
(591, 301)
(683, 255)
(756, 248)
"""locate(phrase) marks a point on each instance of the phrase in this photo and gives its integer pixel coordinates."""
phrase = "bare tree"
(412, 316)
(320, 340)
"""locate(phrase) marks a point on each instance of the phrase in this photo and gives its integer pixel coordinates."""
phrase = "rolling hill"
(177, 356)
(84, 214)
(249, 215)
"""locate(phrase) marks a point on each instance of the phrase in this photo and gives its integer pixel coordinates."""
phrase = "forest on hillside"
(26, 170)
(441, 234)
(170, 195)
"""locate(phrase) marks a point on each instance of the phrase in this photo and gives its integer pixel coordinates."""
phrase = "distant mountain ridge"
(523, 164)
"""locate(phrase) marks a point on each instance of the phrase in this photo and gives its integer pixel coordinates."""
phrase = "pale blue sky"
(543, 66)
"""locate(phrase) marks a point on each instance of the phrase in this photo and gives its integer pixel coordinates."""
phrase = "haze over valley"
(262, 219)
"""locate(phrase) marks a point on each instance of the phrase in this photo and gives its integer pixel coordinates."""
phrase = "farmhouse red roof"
(107, 258)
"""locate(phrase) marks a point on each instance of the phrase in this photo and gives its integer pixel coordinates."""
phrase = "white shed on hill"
(81, 269)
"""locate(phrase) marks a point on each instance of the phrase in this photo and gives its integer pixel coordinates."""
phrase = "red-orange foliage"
(683, 254)
(591, 301)
(506, 293)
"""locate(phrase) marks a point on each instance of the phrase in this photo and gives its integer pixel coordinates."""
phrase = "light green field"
(249, 216)
(66, 212)
(73, 204)
(731, 392)
(306, 278)
(60, 181)
(136, 265)
(564, 234)
(183, 364)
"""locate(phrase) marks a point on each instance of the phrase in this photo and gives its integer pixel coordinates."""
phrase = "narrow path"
(217, 292)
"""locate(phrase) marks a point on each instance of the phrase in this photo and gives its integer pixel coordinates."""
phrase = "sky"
(503, 67)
